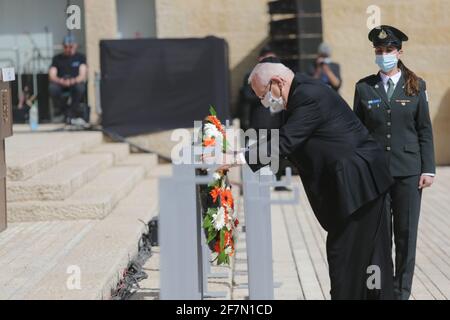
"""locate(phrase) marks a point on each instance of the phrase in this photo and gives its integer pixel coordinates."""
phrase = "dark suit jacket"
(340, 164)
(408, 140)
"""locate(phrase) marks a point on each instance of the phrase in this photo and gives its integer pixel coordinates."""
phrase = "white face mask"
(275, 105)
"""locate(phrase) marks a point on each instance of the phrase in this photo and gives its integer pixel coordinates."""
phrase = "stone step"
(162, 170)
(28, 154)
(148, 161)
(120, 151)
(95, 200)
(101, 255)
(60, 181)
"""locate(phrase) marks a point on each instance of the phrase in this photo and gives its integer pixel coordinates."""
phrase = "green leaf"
(222, 239)
(212, 110)
(211, 236)
(214, 184)
(222, 258)
(207, 222)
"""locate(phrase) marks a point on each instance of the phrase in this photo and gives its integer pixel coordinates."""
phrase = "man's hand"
(64, 82)
(425, 181)
(319, 62)
(225, 160)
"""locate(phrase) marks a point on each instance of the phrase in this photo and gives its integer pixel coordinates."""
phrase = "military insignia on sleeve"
(382, 34)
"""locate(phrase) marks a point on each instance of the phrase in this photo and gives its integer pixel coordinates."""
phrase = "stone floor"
(57, 244)
(299, 258)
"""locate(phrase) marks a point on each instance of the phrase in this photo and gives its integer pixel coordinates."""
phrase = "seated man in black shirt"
(68, 74)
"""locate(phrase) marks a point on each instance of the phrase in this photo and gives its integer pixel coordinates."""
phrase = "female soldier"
(393, 105)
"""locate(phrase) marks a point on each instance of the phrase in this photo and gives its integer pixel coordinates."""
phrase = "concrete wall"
(100, 23)
(426, 22)
(244, 25)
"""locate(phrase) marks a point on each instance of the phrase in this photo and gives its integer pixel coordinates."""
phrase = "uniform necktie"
(390, 90)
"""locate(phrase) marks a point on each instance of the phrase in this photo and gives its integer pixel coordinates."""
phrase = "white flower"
(219, 219)
(210, 130)
(217, 176)
(228, 250)
(230, 218)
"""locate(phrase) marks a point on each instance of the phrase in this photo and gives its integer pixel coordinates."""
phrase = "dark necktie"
(390, 90)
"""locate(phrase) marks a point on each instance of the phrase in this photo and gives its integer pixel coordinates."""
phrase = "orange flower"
(215, 193)
(217, 246)
(226, 197)
(217, 123)
(229, 242)
(209, 142)
(228, 238)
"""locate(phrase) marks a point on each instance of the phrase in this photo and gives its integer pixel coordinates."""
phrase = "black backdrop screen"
(150, 85)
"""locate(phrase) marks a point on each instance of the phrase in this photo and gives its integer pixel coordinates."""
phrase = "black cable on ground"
(134, 273)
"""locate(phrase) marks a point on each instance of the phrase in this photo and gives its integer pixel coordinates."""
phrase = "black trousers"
(76, 92)
(404, 205)
(359, 255)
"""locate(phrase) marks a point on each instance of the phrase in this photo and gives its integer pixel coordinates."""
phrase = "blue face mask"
(386, 62)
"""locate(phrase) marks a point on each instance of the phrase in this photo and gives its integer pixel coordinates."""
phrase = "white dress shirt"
(395, 79)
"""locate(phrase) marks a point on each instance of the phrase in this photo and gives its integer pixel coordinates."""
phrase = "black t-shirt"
(68, 66)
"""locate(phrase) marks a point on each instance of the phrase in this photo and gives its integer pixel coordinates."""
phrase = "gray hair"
(265, 71)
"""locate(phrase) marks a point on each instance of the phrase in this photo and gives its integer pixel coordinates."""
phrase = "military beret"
(387, 36)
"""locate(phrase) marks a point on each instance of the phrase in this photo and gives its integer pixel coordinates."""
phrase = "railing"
(182, 267)
(184, 264)
(258, 228)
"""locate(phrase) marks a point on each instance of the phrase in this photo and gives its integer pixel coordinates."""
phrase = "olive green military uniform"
(402, 127)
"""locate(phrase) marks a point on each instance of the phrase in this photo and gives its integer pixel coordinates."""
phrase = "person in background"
(393, 105)
(326, 70)
(68, 74)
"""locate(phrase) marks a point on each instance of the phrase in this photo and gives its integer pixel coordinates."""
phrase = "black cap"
(387, 36)
(270, 60)
(265, 50)
(69, 39)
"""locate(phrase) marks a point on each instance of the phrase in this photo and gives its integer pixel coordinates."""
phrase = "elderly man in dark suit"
(344, 173)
